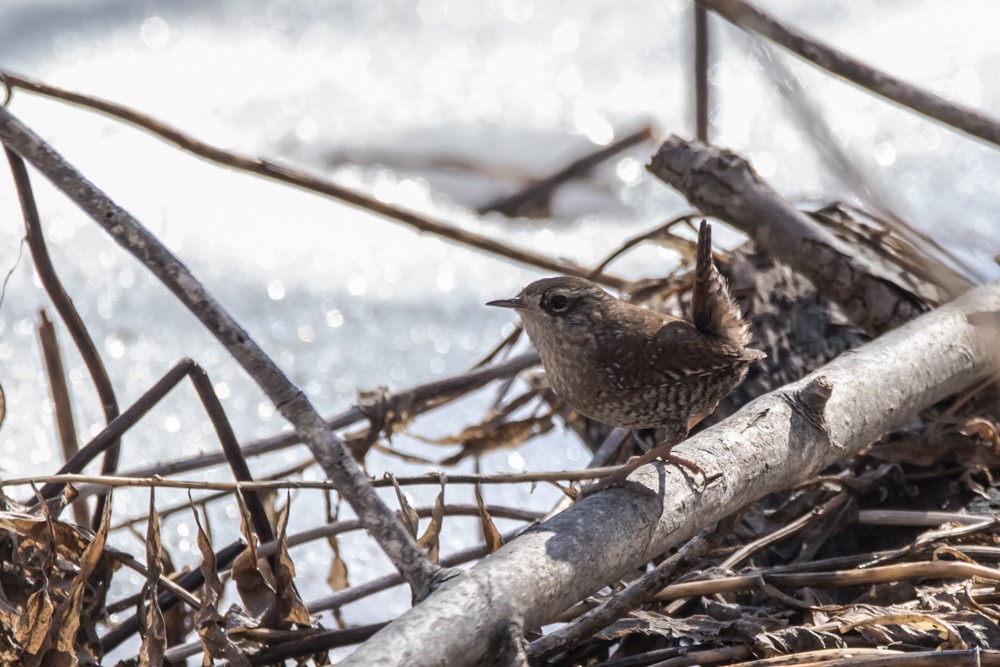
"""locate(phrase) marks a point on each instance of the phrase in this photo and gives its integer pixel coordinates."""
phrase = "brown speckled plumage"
(628, 366)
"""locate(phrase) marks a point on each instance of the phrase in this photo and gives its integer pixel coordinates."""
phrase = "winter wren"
(628, 366)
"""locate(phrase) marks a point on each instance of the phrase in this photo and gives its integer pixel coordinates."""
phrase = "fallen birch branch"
(779, 440)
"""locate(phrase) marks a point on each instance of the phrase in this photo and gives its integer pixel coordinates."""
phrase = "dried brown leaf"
(154, 639)
(985, 429)
(66, 617)
(408, 515)
(32, 628)
(38, 534)
(430, 540)
(795, 639)
(917, 449)
(386, 415)
(207, 621)
(337, 576)
(697, 628)
(252, 583)
(480, 439)
(894, 625)
(490, 533)
(290, 606)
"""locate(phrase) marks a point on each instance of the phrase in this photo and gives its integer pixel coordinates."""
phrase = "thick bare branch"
(777, 441)
(874, 294)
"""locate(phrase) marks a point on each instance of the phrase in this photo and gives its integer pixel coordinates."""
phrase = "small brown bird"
(632, 367)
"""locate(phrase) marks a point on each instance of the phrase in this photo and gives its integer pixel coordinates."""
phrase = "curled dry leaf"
(66, 619)
(252, 583)
(207, 620)
(386, 414)
(895, 625)
(794, 639)
(42, 560)
(30, 630)
(430, 540)
(408, 515)
(985, 429)
(154, 639)
(697, 628)
(337, 577)
(290, 606)
(480, 439)
(490, 533)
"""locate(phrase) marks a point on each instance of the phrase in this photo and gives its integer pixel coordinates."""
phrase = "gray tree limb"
(874, 294)
(779, 440)
(326, 447)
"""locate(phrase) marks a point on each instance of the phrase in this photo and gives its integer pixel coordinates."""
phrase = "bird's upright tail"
(712, 307)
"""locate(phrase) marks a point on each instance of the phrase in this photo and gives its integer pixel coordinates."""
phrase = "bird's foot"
(619, 478)
(689, 465)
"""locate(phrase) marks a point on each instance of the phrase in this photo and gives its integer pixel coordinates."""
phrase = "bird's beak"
(516, 302)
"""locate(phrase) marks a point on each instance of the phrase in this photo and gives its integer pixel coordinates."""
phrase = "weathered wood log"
(775, 442)
(873, 292)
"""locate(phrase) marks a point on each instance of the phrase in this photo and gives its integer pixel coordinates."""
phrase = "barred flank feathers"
(712, 308)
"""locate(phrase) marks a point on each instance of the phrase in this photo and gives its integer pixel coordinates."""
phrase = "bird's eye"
(558, 303)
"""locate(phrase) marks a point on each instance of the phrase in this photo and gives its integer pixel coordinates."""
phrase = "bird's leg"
(676, 433)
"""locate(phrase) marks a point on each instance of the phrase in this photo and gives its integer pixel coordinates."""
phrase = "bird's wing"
(665, 348)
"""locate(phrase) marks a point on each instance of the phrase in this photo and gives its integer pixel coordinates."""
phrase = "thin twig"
(301, 179)
(62, 407)
(412, 401)
(204, 500)
(10, 272)
(863, 577)
(654, 233)
(536, 195)
(67, 311)
(329, 451)
(311, 642)
(145, 403)
(432, 478)
(791, 528)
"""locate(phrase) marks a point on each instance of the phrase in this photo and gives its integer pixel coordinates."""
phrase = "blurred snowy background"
(357, 92)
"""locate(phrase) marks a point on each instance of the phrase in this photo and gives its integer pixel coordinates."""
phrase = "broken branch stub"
(779, 440)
